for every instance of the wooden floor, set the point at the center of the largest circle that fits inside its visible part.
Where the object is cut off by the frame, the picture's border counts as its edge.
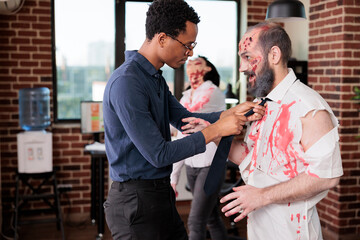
(86, 231)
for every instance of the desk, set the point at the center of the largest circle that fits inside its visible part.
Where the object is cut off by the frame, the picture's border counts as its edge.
(97, 158)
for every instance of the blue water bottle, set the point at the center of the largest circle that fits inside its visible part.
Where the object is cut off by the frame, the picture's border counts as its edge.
(34, 108)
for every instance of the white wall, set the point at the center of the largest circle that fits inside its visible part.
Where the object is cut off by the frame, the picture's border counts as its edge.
(299, 35)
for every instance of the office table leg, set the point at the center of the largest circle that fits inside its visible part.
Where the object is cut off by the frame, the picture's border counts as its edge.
(93, 190)
(101, 198)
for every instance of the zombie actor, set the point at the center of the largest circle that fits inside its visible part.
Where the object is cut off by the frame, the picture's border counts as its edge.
(291, 157)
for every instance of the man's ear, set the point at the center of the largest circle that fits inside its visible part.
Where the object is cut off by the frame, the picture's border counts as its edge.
(161, 39)
(275, 55)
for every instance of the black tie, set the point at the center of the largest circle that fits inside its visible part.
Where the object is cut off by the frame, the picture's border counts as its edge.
(217, 168)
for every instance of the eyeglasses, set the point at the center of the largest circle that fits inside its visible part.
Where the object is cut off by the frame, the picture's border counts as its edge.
(189, 48)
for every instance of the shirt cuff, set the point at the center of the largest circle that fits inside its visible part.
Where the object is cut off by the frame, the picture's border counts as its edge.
(198, 142)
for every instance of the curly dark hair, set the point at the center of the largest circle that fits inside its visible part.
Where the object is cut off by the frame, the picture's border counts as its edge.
(213, 75)
(169, 16)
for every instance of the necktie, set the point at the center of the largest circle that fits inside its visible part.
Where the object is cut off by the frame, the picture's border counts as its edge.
(217, 168)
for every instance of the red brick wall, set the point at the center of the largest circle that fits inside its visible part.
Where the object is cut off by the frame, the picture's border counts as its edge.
(334, 70)
(257, 11)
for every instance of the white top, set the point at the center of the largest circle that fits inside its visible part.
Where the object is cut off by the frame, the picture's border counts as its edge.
(206, 98)
(276, 155)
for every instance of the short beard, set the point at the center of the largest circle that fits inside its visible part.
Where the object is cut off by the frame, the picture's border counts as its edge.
(263, 83)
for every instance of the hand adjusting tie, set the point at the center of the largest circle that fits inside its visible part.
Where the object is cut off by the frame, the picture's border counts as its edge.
(251, 112)
(217, 168)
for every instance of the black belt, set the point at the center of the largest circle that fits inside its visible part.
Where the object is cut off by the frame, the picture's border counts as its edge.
(141, 183)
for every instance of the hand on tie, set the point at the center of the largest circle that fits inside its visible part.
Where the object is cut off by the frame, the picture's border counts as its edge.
(213, 179)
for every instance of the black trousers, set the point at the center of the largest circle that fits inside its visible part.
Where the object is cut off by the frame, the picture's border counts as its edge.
(143, 209)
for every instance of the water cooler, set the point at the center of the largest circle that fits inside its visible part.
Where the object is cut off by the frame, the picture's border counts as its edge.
(34, 144)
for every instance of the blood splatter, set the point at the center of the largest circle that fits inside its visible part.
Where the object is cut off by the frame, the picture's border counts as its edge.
(200, 103)
(280, 142)
(254, 136)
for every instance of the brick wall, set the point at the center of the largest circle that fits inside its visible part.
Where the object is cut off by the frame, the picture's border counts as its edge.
(256, 11)
(26, 61)
(334, 70)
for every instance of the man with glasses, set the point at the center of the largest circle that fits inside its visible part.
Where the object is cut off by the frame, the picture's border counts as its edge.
(189, 48)
(138, 108)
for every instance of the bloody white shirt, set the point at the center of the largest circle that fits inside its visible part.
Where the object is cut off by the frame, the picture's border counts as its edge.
(205, 99)
(276, 155)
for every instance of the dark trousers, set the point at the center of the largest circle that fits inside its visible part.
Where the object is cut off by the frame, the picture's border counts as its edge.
(143, 209)
(204, 209)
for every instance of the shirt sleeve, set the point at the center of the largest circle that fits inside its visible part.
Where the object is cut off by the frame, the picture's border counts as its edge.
(324, 156)
(178, 112)
(131, 103)
(175, 175)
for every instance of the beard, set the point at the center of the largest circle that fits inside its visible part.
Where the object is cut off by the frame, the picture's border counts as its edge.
(263, 83)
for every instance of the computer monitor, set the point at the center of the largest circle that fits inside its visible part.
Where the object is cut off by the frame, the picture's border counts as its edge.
(92, 120)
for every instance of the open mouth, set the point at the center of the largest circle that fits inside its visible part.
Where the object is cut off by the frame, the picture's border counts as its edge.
(252, 78)
(194, 82)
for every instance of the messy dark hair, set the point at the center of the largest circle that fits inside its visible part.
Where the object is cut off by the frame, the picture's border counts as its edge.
(273, 34)
(169, 16)
(213, 75)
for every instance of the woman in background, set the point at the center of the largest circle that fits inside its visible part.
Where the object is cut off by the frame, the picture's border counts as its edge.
(203, 96)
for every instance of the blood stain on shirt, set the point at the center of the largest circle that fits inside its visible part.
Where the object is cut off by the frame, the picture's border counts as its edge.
(196, 106)
(254, 136)
(280, 139)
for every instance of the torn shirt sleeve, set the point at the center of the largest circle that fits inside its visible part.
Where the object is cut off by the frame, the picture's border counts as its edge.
(324, 158)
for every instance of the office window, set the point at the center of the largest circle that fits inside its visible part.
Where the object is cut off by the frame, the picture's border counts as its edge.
(135, 17)
(217, 37)
(84, 42)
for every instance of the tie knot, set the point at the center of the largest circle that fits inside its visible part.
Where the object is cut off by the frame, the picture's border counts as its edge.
(263, 101)
(267, 99)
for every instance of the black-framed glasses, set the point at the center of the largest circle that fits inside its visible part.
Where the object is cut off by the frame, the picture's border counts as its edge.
(189, 48)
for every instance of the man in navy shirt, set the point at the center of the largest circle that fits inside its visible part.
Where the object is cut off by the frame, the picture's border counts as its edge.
(138, 108)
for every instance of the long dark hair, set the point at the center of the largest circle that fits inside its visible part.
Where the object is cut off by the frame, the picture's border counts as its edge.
(213, 75)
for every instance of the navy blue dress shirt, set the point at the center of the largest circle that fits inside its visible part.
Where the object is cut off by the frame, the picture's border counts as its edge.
(138, 108)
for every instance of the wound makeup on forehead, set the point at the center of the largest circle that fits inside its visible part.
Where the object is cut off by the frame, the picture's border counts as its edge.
(196, 61)
(264, 28)
(248, 41)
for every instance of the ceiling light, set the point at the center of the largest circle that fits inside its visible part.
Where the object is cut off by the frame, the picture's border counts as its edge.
(285, 10)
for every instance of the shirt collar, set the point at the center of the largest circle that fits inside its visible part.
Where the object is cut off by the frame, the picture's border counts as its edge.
(278, 93)
(143, 62)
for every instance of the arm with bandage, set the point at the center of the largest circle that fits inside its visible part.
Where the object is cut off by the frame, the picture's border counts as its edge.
(320, 143)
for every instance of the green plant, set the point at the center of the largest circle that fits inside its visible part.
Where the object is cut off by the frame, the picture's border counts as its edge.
(357, 94)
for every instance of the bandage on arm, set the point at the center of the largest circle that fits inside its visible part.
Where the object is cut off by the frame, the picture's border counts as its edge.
(320, 142)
